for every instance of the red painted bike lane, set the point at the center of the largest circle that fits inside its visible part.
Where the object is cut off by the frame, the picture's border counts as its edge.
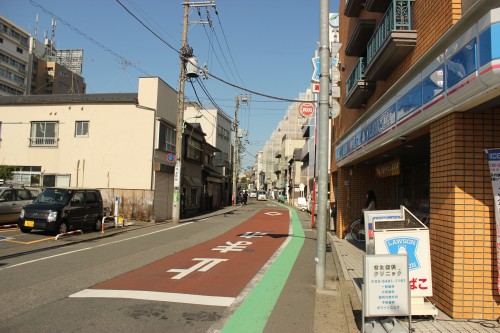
(212, 273)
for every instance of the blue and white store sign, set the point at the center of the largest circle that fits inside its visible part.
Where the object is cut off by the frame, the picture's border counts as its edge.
(414, 243)
(458, 79)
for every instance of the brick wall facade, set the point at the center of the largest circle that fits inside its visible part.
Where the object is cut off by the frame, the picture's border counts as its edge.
(462, 232)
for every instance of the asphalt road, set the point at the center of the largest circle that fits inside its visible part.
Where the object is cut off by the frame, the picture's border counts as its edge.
(40, 274)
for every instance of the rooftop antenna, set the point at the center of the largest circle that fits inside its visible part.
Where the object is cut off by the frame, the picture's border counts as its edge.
(52, 47)
(35, 33)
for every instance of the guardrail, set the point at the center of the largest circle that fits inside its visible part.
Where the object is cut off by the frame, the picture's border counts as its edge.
(69, 233)
(118, 219)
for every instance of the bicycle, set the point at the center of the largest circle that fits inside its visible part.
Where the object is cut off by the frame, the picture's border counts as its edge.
(357, 230)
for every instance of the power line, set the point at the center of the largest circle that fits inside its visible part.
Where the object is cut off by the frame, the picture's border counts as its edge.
(123, 61)
(204, 70)
(228, 48)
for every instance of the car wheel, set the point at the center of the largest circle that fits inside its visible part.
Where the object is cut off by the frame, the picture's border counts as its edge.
(25, 230)
(63, 228)
(98, 225)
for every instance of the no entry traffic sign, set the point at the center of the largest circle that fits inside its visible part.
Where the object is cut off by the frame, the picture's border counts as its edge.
(306, 109)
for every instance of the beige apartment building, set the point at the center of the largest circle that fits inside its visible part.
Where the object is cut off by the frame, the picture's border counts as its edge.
(420, 103)
(118, 143)
(14, 58)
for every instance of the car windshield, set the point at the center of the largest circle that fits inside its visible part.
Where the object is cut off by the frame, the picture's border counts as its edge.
(53, 195)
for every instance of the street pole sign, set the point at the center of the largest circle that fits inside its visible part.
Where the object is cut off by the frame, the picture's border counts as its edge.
(306, 109)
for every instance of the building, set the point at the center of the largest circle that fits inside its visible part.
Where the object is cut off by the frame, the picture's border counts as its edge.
(419, 106)
(217, 127)
(120, 143)
(14, 59)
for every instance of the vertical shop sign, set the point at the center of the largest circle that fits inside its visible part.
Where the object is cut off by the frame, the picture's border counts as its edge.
(493, 156)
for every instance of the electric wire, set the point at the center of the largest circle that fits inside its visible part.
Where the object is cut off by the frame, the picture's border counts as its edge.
(123, 61)
(213, 125)
(213, 48)
(204, 70)
(227, 45)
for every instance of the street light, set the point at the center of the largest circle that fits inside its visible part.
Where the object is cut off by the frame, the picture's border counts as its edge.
(185, 121)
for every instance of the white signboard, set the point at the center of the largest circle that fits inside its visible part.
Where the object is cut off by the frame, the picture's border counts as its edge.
(414, 243)
(386, 288)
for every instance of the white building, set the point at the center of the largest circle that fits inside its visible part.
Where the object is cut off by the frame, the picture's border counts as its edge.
(217, 128)
(120, 143)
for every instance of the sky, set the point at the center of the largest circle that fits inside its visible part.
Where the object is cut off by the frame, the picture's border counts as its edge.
(264, 46)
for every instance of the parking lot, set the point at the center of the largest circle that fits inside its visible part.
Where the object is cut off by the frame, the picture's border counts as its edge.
(13, 242)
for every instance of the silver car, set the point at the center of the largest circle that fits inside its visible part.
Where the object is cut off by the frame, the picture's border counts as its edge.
(12, 201)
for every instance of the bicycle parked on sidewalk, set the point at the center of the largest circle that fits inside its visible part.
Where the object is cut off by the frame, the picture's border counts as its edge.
(357, 230)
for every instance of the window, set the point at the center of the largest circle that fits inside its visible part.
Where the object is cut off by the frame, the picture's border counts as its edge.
(23, 195)
(461, 64)
(433, 84)
(92, 197)
(81, 129)
(1, 40)
(8, 195)
(78, 199)
(194, 149)
(19, 50)
(166, 138)
(43, 133)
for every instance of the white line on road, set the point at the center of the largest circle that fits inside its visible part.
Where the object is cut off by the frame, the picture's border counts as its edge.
(92, 247)
(156, 296)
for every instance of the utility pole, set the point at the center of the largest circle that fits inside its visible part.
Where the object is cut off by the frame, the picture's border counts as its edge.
(185, 54)
(323, 131)
(176, 206)
(235, 147)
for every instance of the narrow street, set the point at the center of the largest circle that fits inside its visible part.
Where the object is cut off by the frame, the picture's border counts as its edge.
(160, 278)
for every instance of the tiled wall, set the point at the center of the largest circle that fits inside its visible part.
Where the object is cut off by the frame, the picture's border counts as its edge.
(462, 231)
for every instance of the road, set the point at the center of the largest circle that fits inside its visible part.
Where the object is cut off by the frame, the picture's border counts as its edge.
(189, 277)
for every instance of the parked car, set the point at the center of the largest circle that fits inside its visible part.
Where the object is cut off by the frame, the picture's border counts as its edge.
(59, 210)
(261, 195)
(12, 201)
(252, 194)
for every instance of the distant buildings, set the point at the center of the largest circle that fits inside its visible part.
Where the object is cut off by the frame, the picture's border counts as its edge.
(29, 67)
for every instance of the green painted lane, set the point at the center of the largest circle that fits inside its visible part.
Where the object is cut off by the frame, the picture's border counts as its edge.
(253, 313)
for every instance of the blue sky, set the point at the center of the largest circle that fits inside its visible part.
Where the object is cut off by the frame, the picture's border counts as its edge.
(265, 46)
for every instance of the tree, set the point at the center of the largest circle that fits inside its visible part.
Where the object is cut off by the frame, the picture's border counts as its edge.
(6, 171)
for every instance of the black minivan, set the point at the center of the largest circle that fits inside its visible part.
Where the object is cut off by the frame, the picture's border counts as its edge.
(60, 210)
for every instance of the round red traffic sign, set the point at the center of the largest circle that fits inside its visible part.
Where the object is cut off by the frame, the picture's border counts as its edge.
(306, 109)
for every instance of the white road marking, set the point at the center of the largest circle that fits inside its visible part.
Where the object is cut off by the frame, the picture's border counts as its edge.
(92, 247)
(156, 296)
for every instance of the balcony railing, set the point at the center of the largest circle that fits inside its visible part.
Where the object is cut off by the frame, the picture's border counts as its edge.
(43, 142)
(357, 74)
(358, 88)
(397, 17)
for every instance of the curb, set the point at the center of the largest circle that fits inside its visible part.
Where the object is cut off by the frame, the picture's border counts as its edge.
(349, 307)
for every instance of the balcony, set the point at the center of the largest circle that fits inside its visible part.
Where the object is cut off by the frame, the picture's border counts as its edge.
(358, 89)
(392, 41)
(43, 142)
(353, 7)
(360, 37)
(379, 6)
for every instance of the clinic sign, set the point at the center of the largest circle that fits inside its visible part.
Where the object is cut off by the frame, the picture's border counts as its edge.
(493, 156)
(386, 290)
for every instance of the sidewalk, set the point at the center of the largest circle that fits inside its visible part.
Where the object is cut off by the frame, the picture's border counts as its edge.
(350, 253)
